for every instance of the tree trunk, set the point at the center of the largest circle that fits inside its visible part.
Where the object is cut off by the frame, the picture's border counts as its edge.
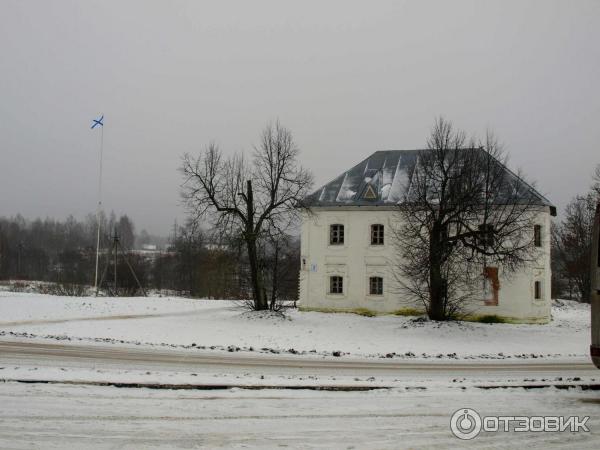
(437, 296)
(260, 299)
(274, 277)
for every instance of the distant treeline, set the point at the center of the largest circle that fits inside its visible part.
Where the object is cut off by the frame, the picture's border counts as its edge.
(189, 262)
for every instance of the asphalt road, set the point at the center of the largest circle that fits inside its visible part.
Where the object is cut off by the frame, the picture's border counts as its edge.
(113, 356)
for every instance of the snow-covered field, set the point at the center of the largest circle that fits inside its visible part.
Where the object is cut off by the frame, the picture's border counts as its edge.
(224, 326)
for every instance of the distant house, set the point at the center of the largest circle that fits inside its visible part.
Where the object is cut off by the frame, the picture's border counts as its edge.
(347, 258)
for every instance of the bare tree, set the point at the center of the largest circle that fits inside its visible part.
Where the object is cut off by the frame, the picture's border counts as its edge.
(596, 182)
(244, 198)
(464, 215)
(126, 231)
(282, 264)
(573, 243)
(188, 244)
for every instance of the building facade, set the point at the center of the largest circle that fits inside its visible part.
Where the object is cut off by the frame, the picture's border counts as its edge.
(349, 257)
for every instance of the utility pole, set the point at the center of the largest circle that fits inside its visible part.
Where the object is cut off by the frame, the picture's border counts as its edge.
(116, 245)
(99, 123)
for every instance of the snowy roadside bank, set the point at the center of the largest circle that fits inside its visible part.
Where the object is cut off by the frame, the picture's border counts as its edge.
(28, 362)
(222, 326)
(67, 416)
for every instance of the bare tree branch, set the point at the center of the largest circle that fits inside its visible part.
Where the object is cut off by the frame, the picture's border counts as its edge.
(246, 200)
(464, 210)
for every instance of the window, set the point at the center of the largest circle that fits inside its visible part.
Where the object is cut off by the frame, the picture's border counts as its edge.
(537, 235)
(336, 234)
(377, 234)
(486, 235)
(537, 290)
(491, 285)
(376, 286)
(336, 285)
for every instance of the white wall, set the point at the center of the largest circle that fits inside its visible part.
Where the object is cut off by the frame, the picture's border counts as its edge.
(356, 260)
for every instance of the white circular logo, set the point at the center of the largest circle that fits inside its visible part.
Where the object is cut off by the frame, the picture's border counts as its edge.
(465, 423)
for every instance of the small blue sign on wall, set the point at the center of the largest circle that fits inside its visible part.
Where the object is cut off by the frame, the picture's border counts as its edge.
(313, 267)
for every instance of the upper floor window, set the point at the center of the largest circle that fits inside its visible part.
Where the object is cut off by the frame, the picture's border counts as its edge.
(486, 234)
(336, 234)
(336, 285)
(537, 235)
(376, 286)
(377, 234)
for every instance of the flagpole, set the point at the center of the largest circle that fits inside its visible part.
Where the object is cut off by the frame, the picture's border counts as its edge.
(99, 206)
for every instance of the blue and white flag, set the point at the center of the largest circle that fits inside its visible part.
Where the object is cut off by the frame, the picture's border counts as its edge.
(98, 122)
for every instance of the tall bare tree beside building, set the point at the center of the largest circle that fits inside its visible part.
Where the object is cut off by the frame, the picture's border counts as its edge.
(244, 197)
(572, 243)
(596, 182)
(465, 214)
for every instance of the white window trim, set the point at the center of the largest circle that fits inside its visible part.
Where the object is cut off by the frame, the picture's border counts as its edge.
(343, 285)
(336, 221)
(369, 248)
(375, 271)
(369, 294)
(542, 298)
(377, 246)
(542, 240)
(336, 270)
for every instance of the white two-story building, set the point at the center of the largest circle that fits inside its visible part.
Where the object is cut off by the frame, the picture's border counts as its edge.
(348, 254)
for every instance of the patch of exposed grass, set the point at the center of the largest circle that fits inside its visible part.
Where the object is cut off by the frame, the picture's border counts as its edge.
(408, 312)
(364, 312)
(490, 318)
(360, 311)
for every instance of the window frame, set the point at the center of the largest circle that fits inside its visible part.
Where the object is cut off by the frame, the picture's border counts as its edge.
(537, 236)
(538, 291)
(377, 282)
(377, 234)
(339, 234)
(486, 236)
(338, 283)
(491, 286)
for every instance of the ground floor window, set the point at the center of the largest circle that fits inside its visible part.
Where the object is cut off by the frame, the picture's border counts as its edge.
(491, 285)
(336, 285)
(537, 290)
(376, 286)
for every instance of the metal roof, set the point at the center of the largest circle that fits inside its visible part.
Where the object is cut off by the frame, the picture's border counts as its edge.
(386, 173)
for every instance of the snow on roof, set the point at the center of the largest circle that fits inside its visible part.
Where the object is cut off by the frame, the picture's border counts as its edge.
(388, 172)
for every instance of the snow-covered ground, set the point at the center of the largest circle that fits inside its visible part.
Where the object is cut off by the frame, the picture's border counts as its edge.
(62, 358)
(83, 417)
(224, 326)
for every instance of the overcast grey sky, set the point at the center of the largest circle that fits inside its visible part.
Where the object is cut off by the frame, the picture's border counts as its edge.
(348, 78)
